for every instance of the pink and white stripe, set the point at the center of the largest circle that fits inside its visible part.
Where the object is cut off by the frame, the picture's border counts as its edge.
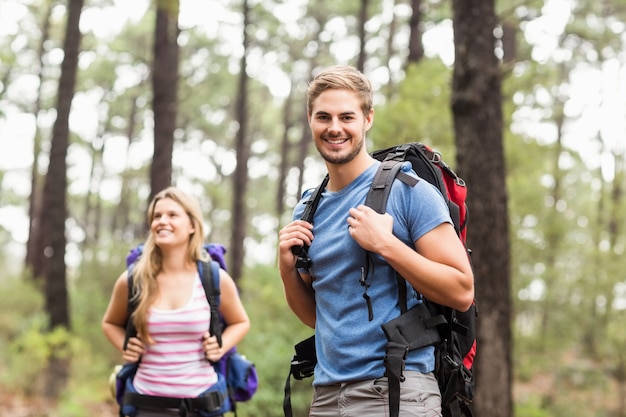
(175, 365)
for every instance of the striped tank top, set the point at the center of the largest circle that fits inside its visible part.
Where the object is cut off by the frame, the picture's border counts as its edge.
(175, 365)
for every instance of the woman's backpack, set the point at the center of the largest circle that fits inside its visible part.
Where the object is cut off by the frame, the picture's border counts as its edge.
(239, 375)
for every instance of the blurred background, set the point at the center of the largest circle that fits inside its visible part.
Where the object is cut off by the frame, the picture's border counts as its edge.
(105, 102)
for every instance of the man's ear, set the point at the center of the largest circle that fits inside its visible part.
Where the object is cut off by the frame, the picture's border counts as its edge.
(369, 120)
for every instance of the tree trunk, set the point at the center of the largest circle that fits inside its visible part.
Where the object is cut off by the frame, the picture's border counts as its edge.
(477, 110)
(362, 36)
(164, 87)
(35, 260)
(416, 48)
(242, 148)
(55, 204)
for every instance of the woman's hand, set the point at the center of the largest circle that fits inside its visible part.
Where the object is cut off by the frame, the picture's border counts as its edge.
(134, 350)
(212, 349)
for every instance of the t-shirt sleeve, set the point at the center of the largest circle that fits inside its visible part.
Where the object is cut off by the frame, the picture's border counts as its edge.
(423, 207)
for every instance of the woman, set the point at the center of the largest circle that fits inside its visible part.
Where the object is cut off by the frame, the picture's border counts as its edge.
(172, 314)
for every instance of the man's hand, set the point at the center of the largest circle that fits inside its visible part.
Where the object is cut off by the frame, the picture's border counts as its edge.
(296, 233)
(369, 228)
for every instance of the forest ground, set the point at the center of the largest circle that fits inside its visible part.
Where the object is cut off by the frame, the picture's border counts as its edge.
(19, 406)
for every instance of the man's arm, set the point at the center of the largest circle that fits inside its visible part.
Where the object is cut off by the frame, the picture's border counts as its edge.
(438, 267)
(297, 287)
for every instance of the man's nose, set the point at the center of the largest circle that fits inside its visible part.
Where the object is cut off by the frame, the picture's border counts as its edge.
(335, 126)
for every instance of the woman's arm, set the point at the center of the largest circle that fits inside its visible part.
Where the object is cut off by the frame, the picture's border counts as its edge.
(114, 321)
(234, 314)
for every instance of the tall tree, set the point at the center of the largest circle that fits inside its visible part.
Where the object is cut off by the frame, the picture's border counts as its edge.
(416, 48)
(55, 199)
(164, 87)
(242, 148)
(34, 248)
(477, 112)
(363, 16)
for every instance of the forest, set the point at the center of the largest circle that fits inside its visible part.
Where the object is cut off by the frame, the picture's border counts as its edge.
(103, 103)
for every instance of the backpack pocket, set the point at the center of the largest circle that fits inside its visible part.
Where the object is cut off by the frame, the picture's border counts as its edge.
(241, 376)
(411, 329)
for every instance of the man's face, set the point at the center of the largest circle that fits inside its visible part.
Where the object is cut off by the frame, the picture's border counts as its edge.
(338, 125)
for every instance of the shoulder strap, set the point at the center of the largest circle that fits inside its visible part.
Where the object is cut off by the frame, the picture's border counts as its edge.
(130, 307)
(389, 169)
(313, 201)
(210, 277)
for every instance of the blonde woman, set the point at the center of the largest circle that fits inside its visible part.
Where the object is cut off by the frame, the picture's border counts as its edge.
(173, 347)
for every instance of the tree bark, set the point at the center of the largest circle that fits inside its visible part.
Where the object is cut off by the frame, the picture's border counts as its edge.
(477, 111)
(55, 204)
(35, 260)
(362, 36)
(164, 86)
(242, 148)
(416, 48)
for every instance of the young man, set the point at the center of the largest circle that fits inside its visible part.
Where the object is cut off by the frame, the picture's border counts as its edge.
(350, 242)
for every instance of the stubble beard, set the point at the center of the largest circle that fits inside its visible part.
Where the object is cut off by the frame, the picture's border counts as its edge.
(338, 159)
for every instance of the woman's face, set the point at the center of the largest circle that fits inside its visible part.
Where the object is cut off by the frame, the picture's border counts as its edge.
(171, 225)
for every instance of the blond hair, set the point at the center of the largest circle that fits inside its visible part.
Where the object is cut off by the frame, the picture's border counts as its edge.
(147, 267)
(341, 77)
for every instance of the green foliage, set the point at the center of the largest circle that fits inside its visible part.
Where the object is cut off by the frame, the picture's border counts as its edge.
(274, 331)
(269, 344)
(28, 344)
(419, 112)
(567, 242)
(530, 408)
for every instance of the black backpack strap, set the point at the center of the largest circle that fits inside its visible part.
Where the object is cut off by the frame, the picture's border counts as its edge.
(389, 169)
(287, 411)
(131, 331)
(302, 366)
(212, 401)
(394, 370)
(210, 277)
(313, 201)
(302, 257)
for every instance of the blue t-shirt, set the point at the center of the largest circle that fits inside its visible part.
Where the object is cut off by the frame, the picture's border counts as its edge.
(349, 346)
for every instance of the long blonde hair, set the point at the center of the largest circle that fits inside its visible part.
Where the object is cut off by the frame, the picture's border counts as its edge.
(149, 264)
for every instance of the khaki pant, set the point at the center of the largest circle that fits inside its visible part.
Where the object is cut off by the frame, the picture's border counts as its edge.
(419, 397)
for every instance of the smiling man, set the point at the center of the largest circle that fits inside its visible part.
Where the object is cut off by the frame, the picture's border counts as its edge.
(348, 290)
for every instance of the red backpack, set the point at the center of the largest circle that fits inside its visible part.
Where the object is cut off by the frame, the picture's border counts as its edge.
(454, 354)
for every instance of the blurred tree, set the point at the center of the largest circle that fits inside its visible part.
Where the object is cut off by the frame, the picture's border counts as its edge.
(242, 150)
(416, 48)
(34, 260)
(55, 204)
(363, 16)
(477, 111)
(164, 88)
